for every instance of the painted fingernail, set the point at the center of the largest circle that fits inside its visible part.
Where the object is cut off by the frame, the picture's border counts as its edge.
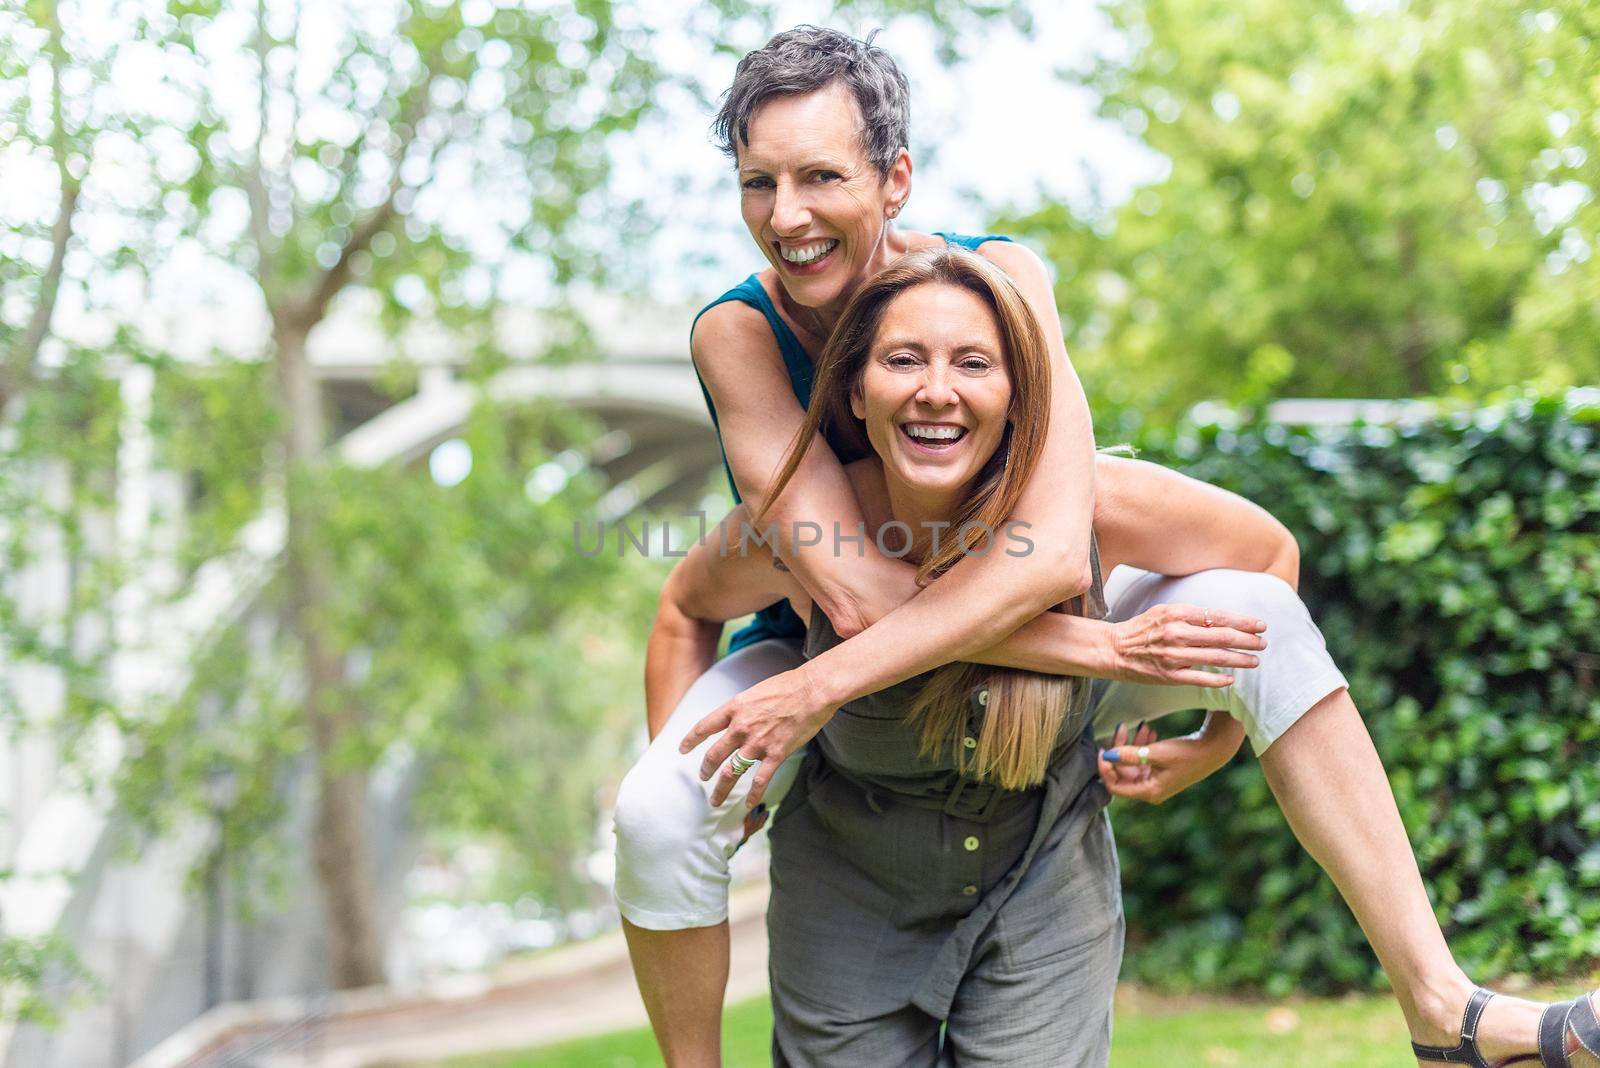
(1111, 755)
(1140, 727)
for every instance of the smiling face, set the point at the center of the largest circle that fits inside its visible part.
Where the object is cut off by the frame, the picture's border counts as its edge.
(935, 393)
(812, 200)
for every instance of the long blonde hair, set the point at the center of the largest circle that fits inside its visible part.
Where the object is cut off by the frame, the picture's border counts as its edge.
(1025, 710)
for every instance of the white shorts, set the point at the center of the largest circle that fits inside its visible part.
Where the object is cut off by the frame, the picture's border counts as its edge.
(673, 847)
(1295, 670)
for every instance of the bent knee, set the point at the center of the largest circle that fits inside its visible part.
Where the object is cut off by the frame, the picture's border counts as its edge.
(662, 810)
(1251, 593)
(672, 854)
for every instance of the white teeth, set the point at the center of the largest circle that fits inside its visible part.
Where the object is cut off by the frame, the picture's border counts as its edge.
(807, 253)
(936, 433)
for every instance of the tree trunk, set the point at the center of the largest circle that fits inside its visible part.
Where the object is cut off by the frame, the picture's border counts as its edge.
(342, 849)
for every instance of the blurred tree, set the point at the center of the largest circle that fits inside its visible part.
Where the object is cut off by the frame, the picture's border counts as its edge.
(19, 348)
(58, 425)
(392, 148)
(1361, 199)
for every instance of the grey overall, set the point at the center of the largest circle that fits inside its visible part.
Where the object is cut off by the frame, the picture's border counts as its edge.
(905, 897)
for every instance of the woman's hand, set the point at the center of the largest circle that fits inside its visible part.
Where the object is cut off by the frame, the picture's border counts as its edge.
(1170, 644)
(1140, 767)
(768, 722)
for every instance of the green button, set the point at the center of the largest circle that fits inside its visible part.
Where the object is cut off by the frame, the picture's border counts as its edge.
(970, 742)
(969, 889)
(971, 843)
(983, 698)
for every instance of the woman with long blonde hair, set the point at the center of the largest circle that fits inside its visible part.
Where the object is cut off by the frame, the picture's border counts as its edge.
(942, 865)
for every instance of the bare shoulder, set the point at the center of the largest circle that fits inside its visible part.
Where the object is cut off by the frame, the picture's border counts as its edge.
(1024, 267)
(730, 327)
(1016, 259)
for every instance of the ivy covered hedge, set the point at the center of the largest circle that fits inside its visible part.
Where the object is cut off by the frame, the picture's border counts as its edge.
(1454, 566)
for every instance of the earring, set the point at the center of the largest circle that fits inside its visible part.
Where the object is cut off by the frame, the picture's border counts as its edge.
(894, 211)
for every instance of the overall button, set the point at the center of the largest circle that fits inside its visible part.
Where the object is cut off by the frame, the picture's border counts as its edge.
(969, 889)
(970, 742)
(971, 843)
(983, 698)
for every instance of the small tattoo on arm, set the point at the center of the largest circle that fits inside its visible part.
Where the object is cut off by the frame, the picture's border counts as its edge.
(779, 564)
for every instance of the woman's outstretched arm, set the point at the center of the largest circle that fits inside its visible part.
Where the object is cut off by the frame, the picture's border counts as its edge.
(1149, 517)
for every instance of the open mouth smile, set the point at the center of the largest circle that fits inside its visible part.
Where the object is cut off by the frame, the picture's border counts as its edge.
(933, 438)
(810, 258)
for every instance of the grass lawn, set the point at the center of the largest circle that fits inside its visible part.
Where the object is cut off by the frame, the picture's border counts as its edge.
(1365, 1032)
(1351, 1032)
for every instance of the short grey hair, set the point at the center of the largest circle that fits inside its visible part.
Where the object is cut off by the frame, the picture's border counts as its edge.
(805, 59)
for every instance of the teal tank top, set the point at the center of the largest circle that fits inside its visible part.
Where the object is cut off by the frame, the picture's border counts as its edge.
(779, 620)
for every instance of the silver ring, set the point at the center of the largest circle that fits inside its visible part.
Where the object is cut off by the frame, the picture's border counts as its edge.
(740, 763)
(1207, 622)
(1144, 754)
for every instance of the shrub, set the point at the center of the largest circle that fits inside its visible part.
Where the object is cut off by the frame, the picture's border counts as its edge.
(1454, 566)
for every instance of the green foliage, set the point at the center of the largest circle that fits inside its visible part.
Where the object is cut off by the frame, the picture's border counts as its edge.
(32, 970)
(1359, 200)
(233, 719)
(57, 486)
(478, 642)
(214, 425)
(1454, 567)
(483, 642)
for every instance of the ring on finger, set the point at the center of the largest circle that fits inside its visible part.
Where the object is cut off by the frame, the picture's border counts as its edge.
(1207, 621)
(1144, 754)
(740, 763)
